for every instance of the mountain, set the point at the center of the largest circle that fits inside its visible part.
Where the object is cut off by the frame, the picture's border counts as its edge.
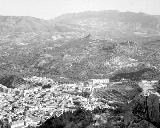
(113, 23)
(109, 24)
(13, 24)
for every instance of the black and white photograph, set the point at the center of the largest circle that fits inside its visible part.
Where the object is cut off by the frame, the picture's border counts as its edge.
(79, 63)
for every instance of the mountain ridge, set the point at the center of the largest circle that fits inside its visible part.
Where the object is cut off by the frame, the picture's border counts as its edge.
(109, 22)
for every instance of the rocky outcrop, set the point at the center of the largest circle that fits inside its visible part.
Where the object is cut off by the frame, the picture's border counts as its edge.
(142, 74)
(11, 81)
(77, 119)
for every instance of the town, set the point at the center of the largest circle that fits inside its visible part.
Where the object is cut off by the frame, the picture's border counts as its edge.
(30, 107)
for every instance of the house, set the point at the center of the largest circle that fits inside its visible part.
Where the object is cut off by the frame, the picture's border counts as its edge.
(150, 82)
(28, 121)
(18, 124)
(34, 120)
(154, 81)
(99, 81)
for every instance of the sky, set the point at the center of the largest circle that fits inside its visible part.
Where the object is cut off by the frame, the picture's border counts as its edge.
(48, 9)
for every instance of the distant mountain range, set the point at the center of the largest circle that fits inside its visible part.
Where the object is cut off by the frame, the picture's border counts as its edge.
(14, 24)
(109, 23)
(112, 22)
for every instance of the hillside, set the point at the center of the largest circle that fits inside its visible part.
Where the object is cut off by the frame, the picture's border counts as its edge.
(18, 24)
(48, 70)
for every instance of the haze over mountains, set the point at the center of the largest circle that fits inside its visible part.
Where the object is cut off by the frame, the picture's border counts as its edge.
(114, 23)
(111, 23)
(13, 24)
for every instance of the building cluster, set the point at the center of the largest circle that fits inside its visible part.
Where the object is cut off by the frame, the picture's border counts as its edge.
(23, 107)
(42, 80)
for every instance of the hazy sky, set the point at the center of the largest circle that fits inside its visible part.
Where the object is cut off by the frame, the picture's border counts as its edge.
(49, 9)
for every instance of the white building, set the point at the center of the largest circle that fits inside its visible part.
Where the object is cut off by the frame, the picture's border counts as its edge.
(99, 81)
(147, 85)
(18, 124)
(154, 81)
(28, 121)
